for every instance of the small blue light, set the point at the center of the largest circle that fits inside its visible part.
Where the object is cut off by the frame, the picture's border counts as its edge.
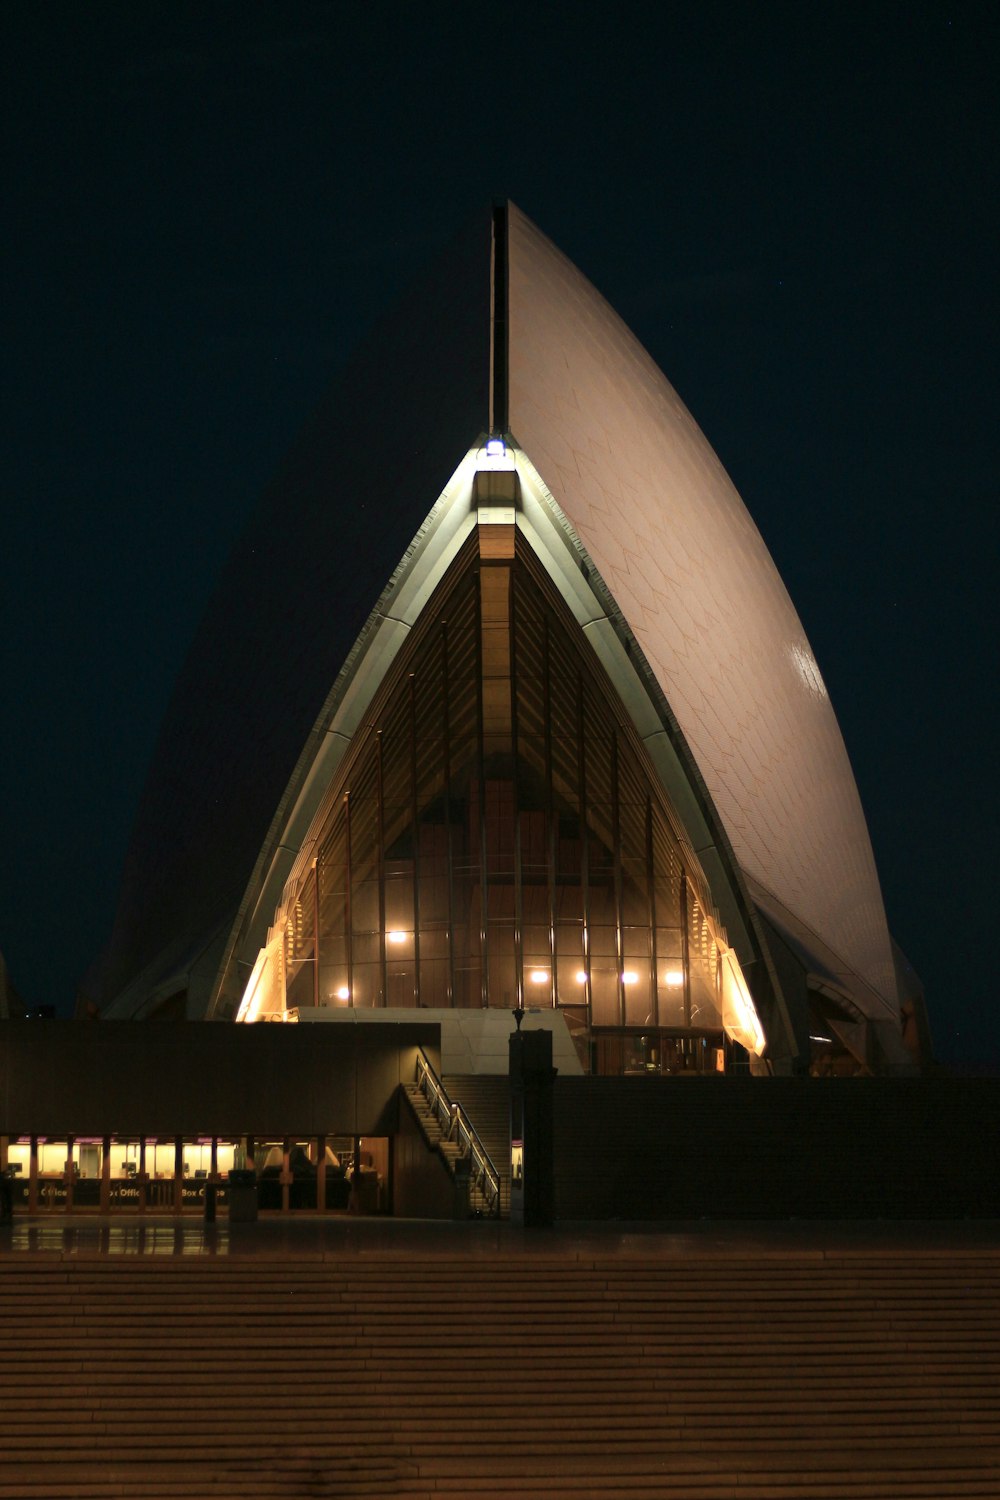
(495, 447)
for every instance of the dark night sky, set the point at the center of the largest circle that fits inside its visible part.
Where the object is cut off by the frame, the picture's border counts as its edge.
(793, 206)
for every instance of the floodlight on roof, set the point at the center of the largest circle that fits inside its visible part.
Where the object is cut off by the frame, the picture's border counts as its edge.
(495, 454)
(739, 1014)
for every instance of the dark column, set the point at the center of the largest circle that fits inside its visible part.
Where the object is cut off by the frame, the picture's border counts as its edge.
(33, 1176)
(531, 1088)
(105, 1174)
(286, 1174)
(68, 1174)
(355, 1200)
(178, 1174)
(321, 1174)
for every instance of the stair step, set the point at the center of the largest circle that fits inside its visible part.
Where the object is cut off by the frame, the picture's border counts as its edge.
(497, 1371)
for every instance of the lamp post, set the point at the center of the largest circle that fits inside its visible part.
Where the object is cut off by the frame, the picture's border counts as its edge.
(532, 1198)
(515, 1068)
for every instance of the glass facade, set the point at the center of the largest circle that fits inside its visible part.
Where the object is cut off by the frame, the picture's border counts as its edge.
(171, 1174)
(89, 1172)
(497, 837)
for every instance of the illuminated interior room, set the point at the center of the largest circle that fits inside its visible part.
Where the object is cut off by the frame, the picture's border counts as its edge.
(498, 837)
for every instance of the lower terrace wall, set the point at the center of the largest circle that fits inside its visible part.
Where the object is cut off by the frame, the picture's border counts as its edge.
(132, 1078)
(777, 1148)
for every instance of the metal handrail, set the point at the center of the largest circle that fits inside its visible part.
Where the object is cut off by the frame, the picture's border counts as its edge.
(454, 1121)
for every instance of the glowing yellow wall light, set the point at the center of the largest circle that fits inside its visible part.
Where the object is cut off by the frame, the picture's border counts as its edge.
(739, 1015)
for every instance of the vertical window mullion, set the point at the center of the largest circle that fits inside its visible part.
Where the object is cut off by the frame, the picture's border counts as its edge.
(316, 933)
(415, 814)
(446, 693)
(654, 992)
(380, 837)
(483, 889)
(551, 841)
(616, 847)
(348, 918)
(584, 848)
(685, 949)
(515, 747)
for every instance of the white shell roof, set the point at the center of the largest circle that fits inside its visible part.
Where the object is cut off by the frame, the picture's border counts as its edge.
(674, 543)
(657, 515)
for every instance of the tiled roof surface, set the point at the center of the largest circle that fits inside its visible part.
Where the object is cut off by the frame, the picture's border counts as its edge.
(686, 565)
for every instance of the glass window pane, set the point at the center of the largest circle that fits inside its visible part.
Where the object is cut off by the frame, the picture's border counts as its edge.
(433, 981)
(399, 899)
(367, 984)
(570, 966)
(604, 976)
(500, 950)
(333, 984)
(639, 1007)
(670, 977)
(468, 982)
(364, 907)
(401, 982)
(635, 892)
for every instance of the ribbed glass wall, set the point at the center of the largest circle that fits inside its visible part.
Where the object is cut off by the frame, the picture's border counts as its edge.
(496, 838)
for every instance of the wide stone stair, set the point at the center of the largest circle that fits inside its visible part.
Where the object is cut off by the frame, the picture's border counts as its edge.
(501, 1369)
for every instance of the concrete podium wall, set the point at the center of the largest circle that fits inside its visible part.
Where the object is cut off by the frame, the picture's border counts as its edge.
(133, 1078)
(765, 1148)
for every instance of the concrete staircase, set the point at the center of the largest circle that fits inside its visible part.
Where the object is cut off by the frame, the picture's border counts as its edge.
(428, 1122)
(496, 1369)
(485, 1097)
(450, 1150)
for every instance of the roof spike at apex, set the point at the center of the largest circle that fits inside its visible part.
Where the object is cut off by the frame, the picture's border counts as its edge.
(499, 325)
(501, 337)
